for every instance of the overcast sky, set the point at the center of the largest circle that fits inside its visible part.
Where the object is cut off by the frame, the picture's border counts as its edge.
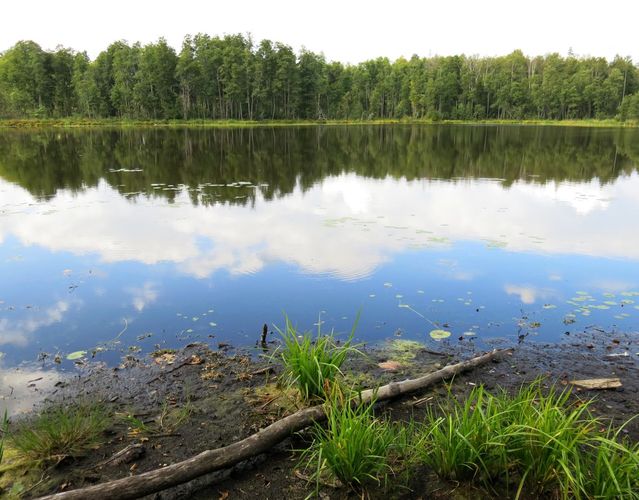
(345, 30)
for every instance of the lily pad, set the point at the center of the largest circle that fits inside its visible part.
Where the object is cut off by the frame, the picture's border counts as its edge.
(439, 334)
(550, 306)
(76, 355)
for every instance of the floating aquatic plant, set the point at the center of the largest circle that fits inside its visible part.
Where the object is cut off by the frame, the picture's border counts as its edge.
(439, 334)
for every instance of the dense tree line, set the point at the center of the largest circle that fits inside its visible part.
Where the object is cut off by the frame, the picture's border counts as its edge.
(234, 78)
(156, 162)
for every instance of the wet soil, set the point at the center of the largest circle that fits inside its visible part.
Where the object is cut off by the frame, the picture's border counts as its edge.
(197, 399)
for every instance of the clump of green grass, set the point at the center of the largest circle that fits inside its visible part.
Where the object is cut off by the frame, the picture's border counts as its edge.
(61, 432)
(312, 364)
(354, 446)
(546, 438)
(467, 442)
(611, 469)
(535, 441)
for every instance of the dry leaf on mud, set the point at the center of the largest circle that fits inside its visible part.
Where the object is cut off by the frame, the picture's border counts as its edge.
(166, 358)
(195, 360)
(390, 366)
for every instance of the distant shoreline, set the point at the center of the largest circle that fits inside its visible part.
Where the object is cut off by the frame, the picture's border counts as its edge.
(37, 123)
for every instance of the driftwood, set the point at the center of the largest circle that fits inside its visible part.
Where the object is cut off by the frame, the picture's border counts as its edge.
(598, 383)
(260, 442)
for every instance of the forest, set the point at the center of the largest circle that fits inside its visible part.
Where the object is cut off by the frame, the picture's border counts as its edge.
(235, 78)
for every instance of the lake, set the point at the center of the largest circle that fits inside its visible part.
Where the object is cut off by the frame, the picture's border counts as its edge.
(121, 241)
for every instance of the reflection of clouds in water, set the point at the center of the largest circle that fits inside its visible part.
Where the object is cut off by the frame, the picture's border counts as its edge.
(614, 286)
(18, 332)
(349, 192)
(582, 197)
(529, 294)
(144, 296)
(344, 226)
(451, 270)
(24, 386)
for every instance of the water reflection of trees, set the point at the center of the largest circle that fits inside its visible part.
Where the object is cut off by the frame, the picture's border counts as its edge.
(278, 159)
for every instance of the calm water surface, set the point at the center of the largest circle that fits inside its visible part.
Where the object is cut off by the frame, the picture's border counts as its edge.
(118, 241)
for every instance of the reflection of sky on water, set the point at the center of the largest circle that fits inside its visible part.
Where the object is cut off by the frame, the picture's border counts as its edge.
(24, 386)
(469, 253)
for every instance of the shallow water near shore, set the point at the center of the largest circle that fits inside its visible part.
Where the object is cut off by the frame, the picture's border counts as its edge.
(114, 242)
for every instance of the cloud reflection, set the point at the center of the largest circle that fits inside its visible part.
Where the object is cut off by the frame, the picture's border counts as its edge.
(18, 332)
(345, 226)
(22, 387)
(144, 296)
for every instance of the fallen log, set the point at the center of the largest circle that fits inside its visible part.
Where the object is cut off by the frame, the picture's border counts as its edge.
(260, 442)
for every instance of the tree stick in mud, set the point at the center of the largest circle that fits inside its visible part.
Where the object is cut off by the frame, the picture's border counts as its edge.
(260, 442)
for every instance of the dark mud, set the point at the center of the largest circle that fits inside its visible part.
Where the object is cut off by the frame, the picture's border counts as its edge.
(181, 404)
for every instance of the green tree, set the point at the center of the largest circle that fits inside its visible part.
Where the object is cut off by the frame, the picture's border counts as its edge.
(124, 68)
(155, 88)
(25, 80)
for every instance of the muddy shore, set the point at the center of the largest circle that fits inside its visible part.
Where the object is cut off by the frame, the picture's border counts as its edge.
(178, 404)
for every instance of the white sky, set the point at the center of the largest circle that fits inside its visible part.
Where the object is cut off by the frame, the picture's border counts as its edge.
(348, 31)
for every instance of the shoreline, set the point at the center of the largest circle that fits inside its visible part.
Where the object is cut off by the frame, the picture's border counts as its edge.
(82, 123)
(230, 395)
